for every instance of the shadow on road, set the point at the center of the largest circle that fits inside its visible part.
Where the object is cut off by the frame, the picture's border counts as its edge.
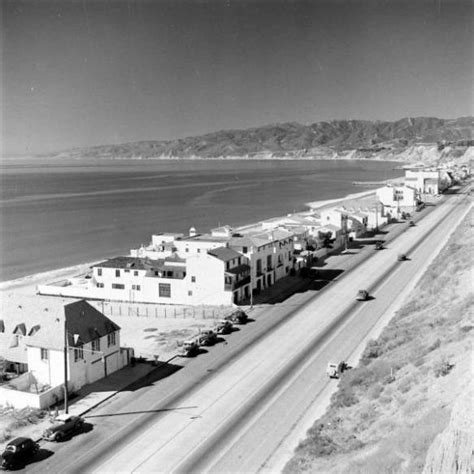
(139, 412)
(163, 370)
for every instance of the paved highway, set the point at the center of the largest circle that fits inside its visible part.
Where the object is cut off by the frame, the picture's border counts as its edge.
(235, 418)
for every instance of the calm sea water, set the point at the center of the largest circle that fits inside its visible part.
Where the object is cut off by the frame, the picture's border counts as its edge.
(57, 214)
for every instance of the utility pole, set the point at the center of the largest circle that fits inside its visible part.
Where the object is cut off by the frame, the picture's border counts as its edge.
(66, 408)
(251, 283)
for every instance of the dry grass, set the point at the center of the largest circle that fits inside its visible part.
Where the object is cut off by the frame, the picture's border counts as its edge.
(388, 410)
(11, 419)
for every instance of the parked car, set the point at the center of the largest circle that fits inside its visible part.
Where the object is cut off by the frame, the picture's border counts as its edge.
(18, 452)
(379, 245)
(335, 370)
(206, 337)
(362, 295)
(224, 326)
(411, 224)
(401, 257)
(237, 317)
(189, 348)
(63, 425)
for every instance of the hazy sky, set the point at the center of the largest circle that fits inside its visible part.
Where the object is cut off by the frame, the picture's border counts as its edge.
(77, 73)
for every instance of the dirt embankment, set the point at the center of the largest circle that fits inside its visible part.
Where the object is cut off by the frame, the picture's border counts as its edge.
(388, 411)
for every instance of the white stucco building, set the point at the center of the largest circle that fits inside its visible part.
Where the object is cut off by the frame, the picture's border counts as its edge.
(398, 198)
(34, 336)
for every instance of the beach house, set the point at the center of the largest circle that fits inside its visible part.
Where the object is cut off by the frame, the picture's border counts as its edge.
(38, 333)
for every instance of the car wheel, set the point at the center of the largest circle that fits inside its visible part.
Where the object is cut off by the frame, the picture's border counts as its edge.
(58, 437)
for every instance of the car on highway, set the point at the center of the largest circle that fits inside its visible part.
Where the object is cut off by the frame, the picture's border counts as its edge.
(362, 295)
(206, 337)
(63, 426)
(379, 245)
(411, 224)
(224, 326)
(18, 452)
(401, 257)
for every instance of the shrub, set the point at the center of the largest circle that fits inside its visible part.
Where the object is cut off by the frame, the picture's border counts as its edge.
(434, 346)
(344, 397)
(317, 443)
(442, 367)
(373, 350)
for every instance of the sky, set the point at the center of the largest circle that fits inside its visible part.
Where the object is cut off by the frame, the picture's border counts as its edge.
(92, 72)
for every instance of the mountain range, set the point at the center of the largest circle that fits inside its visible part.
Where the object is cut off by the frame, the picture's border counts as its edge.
(330, 139)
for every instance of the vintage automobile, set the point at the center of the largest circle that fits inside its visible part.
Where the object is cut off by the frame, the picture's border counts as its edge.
(63, 425)
(190, 348)
(224, 326)
(237, 317)
(206, 337)
(362, 295)
(379, 245)
(411, 224)
(18, 452)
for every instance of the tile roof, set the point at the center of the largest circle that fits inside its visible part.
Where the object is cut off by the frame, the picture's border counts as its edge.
(87, 322)
(224, 253)
(48, 313)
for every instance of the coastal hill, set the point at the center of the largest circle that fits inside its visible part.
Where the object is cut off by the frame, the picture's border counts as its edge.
(408, 139)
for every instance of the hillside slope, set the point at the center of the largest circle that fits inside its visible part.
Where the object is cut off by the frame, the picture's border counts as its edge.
(334, 139)
(388, 410)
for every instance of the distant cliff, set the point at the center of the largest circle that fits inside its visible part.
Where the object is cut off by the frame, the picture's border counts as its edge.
(407, 139)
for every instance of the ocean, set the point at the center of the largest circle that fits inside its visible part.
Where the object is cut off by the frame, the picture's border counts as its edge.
(55, 214)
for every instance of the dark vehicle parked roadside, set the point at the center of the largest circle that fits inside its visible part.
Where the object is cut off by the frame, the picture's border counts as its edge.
(237, 317)
(63, 425)
(411, 224)
(379, 245)
(18, 452)
(362, 295)
(206, 337)
(224, 327)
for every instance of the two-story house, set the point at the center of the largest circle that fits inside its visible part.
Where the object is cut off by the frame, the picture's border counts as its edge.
(45, 329)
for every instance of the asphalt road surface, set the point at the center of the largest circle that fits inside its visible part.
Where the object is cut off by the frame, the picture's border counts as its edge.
(229, 410)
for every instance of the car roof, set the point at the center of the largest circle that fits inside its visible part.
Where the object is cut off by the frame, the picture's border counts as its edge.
(17, 441)
(63, 417)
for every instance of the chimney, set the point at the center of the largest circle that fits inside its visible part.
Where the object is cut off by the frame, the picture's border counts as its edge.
(192, 232)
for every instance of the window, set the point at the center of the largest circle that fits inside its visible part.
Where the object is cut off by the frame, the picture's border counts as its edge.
(187, 250)
(127, 271)
(164, 290)
(96, 345)
(99, 272)
(44, 354)
(78, 353)
(245, 250)
(117, 273)
(100, 285)
(199, 250)
(135, 273)
(136, 287)
(111, 339)
(118, 286)
(190, 293)
(193, 279)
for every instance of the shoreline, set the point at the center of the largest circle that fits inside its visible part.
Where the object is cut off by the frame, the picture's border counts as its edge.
(29, 282)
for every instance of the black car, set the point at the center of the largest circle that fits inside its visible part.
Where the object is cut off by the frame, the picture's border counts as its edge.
(63, 425)
(18, 452)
